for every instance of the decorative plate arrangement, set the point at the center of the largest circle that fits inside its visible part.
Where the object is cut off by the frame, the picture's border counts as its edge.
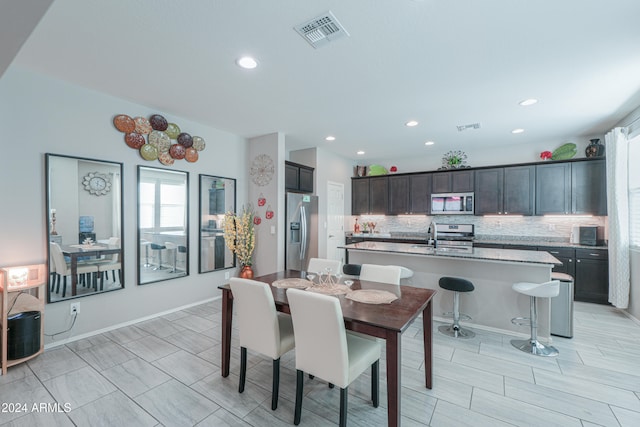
(454, 160)
(157, 139)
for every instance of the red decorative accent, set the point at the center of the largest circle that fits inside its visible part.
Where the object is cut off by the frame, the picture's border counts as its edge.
(257, 220)
(261, 200)
(269, 213)
(393, 169)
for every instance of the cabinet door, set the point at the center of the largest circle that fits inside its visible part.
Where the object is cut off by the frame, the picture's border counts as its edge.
(420, 193)
(488, 191)
(441, 182)
(305, 180)
(589, 187)
(566, 256)
(553, 188)
(461, 181)
(592, 280)
(399, 195)
(291, 178)
(378, 195)
(519, 190)
(360, 196)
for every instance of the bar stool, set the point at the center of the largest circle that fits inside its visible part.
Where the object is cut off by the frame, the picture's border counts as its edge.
(159, 248)
(456, 285)
(172, 248)
(534, 290)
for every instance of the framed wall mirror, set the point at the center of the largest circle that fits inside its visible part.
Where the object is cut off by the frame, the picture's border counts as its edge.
(217, 197)
(84, 226)
(163, 224)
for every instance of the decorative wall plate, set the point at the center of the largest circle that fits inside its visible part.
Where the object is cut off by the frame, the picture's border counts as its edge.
(262, 170)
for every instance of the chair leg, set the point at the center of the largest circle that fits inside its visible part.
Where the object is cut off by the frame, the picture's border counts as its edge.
(375, 380)
(275, 384)
(243, 368)
(299, 388)
(344, 392)
(64, 286)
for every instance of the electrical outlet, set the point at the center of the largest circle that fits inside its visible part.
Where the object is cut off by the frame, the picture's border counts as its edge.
(226, 275)
(74, 308)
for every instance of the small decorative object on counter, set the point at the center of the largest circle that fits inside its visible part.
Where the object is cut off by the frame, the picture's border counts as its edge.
(546, 155)
(594, 149)
(356, 227)
(393, 169)
(365, 227)
(454, 160)
(376, 170)
(564, 152)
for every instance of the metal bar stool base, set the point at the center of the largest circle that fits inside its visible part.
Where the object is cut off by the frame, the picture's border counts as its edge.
(535, 348)
(458, 332)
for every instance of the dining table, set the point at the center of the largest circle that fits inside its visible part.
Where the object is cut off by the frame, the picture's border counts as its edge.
(387, 321)
(75, 252)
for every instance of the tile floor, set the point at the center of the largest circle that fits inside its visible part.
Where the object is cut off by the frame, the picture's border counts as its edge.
(165, 372)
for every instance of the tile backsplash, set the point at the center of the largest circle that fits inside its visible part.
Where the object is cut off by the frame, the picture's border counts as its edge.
(552, 228)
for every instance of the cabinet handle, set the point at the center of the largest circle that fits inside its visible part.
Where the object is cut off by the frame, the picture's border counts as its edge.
(570, 260)
(554, 252)
(578, 261)
(594, 254)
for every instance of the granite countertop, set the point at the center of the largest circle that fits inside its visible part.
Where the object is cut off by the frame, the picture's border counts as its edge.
(536, 242)
(486, 254)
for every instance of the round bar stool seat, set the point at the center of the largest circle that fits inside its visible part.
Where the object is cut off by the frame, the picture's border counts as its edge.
(159, 248)
(535, 290)
(352, 269)
(456, 285)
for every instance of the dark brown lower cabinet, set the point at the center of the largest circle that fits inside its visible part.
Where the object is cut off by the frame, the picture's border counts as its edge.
(592, 276)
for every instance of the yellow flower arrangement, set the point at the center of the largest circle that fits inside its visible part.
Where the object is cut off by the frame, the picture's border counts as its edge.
(239, 235)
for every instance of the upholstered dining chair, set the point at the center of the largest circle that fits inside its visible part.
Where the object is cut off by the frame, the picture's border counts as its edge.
(262, 328)
(319, 265)
(324, 348)
(110, 263)
(381, 273)
(63, 269)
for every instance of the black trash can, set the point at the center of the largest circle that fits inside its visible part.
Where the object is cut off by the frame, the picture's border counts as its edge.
(23, 334)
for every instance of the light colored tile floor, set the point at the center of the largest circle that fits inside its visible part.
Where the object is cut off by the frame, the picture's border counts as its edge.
(165, 372)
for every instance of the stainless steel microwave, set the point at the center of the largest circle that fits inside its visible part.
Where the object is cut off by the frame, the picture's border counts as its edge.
(452, 204)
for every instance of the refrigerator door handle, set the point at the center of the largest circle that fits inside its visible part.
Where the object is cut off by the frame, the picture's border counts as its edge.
(303, 226)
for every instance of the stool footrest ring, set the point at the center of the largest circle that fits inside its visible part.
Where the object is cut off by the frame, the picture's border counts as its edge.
(521, 321)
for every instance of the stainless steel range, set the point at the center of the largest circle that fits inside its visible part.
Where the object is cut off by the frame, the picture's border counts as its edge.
(453, 237)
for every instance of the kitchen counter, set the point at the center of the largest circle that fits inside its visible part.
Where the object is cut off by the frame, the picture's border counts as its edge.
(534, 242)
(493, 303)
(484, 254)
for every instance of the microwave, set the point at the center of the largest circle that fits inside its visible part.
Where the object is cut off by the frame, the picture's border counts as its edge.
(591, 235)
(452, 204)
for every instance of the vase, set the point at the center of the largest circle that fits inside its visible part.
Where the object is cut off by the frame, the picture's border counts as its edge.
(594, 149)
(246, 272)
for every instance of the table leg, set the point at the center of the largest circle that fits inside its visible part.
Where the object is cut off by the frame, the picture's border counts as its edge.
(393, 378)
(427, 320)
(74, 275)
(227, 317)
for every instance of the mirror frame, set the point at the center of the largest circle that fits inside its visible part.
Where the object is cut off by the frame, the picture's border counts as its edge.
(120, 165)
(204, 211)
(140, 254)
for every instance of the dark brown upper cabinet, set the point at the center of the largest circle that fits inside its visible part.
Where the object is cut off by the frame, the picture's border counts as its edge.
(369, 196)
(298, 177)
(509, 190)
(457, 181)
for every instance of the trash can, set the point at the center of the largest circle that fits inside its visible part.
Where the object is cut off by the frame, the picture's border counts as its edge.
(562, 307)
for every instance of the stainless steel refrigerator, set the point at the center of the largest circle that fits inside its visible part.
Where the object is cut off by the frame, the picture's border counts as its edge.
(301, 230)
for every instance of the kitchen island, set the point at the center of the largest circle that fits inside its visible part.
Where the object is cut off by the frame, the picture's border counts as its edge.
(493, 303)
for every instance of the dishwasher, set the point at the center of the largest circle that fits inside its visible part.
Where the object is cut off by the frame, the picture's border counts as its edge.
(562, 307)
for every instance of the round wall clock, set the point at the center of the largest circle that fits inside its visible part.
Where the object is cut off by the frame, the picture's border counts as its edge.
(262, 170)
(97, 183)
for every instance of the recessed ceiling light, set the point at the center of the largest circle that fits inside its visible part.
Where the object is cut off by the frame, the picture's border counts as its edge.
(528, 102)
(330, 138)
(517, 131)
(360, 153)
(411, 123)
(247, 62)
(429, 143)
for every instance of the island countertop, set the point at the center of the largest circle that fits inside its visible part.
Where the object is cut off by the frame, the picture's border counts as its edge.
(485, 254)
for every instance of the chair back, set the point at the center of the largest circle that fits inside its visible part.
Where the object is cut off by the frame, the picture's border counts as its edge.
(257, 316)
(320, 336)
(114, 241)
(381, 273)
(319, 265)
(58, 259)
(352, 269)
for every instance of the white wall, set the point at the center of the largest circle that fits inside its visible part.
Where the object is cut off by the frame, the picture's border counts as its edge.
(41, 115)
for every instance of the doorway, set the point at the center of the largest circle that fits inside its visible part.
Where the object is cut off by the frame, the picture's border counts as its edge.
(335, 220)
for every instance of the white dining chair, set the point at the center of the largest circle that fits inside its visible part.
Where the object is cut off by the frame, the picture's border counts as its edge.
(262, 328)
(110, 263)
(63, 269)
(320, 265)
(324, 348)
(381, 273)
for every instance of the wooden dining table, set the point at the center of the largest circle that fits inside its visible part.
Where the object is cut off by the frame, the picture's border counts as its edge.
(80, 251)
(386, 321)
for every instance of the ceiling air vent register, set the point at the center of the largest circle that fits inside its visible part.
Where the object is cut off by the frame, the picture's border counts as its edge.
(462, 128)
(321, 30)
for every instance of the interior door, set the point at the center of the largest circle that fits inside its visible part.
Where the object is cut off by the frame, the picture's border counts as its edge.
(335, 220)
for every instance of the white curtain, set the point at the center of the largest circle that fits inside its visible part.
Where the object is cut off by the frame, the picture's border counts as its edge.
(617, 148)
(116, 214)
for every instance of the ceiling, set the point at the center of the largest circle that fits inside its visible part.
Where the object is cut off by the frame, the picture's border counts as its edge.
(441, 63)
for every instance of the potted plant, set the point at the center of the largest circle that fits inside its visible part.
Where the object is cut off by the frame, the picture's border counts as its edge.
(239, 236)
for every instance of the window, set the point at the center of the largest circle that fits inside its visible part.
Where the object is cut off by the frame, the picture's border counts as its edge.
(634, 192)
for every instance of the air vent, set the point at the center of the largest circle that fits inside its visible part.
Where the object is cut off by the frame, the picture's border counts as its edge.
(462, 128)
(321, 30)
